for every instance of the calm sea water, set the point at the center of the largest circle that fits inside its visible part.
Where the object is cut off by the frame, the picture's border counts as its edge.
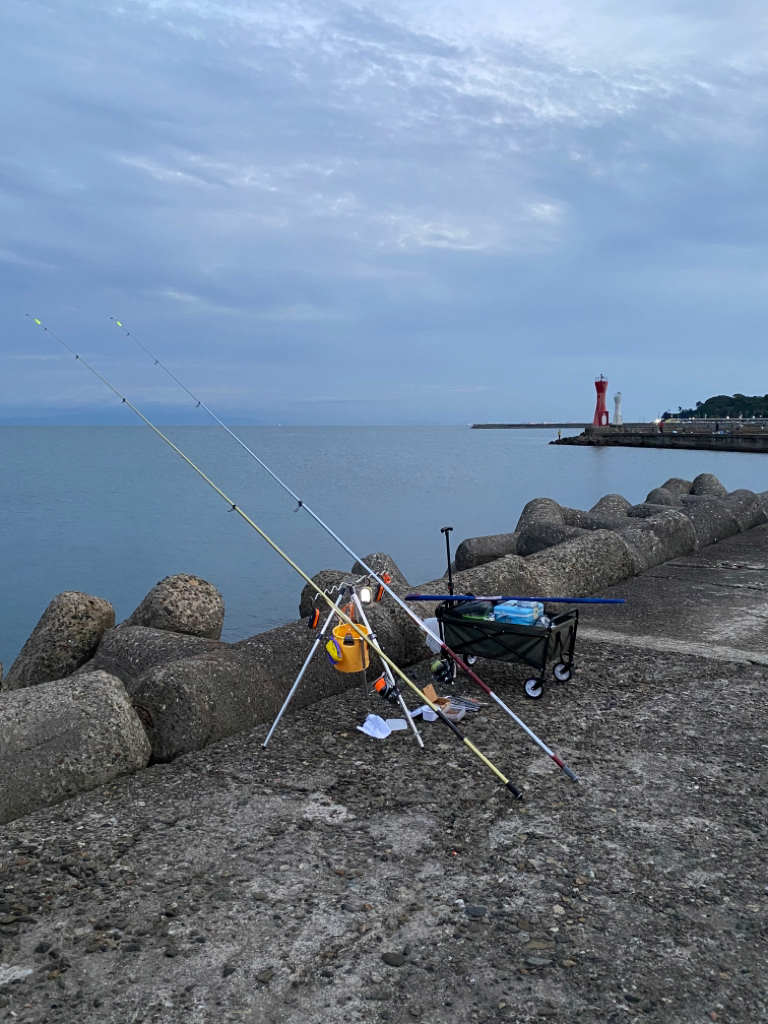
(112, 510)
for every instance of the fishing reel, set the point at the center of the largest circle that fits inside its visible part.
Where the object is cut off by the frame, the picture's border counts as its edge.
(443, 671)
(386, 689)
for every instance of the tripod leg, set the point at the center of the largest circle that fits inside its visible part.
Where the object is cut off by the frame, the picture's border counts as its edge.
(300, 676)
(411, 722)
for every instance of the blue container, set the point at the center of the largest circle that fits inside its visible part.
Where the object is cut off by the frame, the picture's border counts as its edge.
(521, 613)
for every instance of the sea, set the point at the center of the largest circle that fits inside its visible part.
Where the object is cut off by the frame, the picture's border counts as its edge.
(111, 510)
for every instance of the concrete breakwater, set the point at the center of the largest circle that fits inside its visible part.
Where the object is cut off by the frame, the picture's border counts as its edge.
(735, 437)
(524, 426)
(541, 426)
(87, 701)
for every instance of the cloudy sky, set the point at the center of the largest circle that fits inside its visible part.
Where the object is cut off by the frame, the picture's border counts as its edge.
(400, 211)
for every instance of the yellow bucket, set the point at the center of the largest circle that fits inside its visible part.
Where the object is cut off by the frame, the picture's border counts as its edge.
(354, 650)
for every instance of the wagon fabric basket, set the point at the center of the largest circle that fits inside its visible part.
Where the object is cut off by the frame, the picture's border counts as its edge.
(536, 646)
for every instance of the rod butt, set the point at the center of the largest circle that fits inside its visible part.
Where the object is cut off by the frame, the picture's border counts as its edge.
(561, 764)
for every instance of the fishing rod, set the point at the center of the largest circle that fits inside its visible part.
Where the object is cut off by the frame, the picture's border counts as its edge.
(308, 579)
(498, 597)
(444, 648)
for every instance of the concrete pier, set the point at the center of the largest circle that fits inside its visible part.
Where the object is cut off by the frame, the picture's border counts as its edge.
(736, 437)
(335, 877)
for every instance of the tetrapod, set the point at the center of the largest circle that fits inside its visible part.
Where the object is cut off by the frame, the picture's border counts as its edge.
(347, 592)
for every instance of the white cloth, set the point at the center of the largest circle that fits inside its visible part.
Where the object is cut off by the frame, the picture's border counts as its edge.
(380, 729)
(376, 727)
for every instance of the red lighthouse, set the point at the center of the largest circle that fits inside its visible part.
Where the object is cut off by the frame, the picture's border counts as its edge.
(601, 413)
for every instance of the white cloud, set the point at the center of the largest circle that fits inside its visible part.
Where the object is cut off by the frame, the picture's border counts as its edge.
(32, 357)
(428, 176)
(297, 313)
(161, 173)
(7, 256)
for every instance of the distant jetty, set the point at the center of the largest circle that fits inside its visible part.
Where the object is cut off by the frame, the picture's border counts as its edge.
(734, 436)
(549, 426)
(525, 426)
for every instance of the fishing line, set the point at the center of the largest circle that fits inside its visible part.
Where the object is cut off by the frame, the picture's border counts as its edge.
(409, 611)
(337, 611)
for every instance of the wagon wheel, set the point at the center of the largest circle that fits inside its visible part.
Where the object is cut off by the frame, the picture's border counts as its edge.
(533, 688)
(562, 672)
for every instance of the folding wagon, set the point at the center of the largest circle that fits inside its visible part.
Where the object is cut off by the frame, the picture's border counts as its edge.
(536, 646)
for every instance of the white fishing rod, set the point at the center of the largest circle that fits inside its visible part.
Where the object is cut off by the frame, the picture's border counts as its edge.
(462, 737)
(419, 622)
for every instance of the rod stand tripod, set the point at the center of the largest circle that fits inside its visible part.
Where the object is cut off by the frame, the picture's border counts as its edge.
(347, 593)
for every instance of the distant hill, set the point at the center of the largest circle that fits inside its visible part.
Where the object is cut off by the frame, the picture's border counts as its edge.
(724, 405)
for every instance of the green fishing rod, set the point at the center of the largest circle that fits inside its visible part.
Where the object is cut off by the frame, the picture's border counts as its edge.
(385, 583)
(308, 579)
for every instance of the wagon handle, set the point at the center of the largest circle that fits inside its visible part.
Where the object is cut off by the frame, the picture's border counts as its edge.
(447, 531)
(500, 597)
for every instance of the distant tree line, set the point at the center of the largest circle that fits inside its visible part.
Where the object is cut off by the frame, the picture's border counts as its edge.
(722, 406)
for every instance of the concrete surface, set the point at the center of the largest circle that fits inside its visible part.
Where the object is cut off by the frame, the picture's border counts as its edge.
(64, 737)
(336, 878)
(182, 604)
(711, 601)
(607, 437)
(66, 637)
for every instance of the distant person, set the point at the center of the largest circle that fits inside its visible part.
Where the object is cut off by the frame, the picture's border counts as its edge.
(717, 427)
(661, 426)
(559, 434)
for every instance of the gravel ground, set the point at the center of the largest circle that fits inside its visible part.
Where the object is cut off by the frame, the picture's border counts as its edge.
(339, 878)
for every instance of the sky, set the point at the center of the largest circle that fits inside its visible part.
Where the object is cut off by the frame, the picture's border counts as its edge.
(400, 211)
